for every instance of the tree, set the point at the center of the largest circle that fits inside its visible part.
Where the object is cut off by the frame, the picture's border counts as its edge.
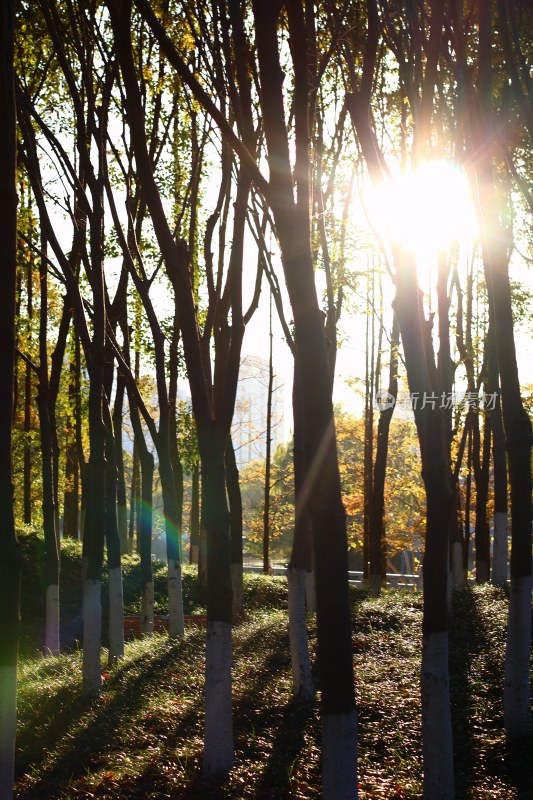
(423, 380)
(10, 561)
(516, 422)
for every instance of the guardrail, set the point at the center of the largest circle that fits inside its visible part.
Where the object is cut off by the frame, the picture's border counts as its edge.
(395, 580)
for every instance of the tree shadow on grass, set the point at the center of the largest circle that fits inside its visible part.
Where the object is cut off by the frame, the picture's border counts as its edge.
(164, 750)
(86, 732)
(466, 642)
(483, 756)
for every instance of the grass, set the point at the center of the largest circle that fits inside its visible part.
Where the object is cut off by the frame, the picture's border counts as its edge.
(142, 738)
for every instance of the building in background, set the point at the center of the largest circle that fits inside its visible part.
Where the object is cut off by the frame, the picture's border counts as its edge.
(250, 417)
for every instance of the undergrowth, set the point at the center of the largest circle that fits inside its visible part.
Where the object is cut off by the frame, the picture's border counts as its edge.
(142, 738)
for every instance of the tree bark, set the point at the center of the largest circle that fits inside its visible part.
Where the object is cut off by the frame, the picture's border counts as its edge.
(51, 535)
(235, 510)
(10, 555)
(112, 539)
(27, 477)
(377, 509)
(516, 422)
(146, 461)
(218, 732)
(300, 563)
(194, 522)
(436, 473)
(499, 463)
(122, 510)
(268, 449)
(71, 496)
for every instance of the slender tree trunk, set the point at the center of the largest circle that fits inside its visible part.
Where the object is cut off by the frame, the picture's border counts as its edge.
(268, 449)
(82, 466)
(499, 461)
(27, 478)
(445, 369)
(133, 532)
(95, 522)
(177, 466)
(51, 536)
(235, 510)
(122, 510)
(369, 429)
(176, 625)
(71, 497)
(146, 460)
(468, 499)
(147, 579)
(458, 535)
(301, 556)
(194, 520)
(112, 538)
(481, 532)
(10, 556)
(377, 509)
(218, 732)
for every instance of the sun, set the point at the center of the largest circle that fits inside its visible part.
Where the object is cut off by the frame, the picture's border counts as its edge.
(425, 210)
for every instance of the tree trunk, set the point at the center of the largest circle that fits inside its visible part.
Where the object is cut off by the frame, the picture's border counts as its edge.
(194, 522)
(135, 501)
(27, 477)
(10, 556)
(146, 461)
(499, 462)
(481, 533)
(122, 510)
(301, 557)
(177, 467)
(176, 625)
(51, 537)
(235, 510)
(268, 449)
(82, 466)
(377, 509)
(218, 732)
(496, 252)
(112, 538)
(328, 517)
(436, 473)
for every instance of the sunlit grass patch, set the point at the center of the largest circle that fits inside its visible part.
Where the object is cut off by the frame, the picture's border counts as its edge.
(142, 738)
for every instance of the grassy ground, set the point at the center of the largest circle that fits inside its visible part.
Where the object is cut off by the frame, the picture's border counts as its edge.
(143, 737)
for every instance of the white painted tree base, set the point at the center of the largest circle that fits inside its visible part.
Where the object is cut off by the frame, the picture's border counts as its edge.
(436, 719)
(237, 588)
(147, 609)
(458, 577)
(116, 615)
(516, 692)
(92, 638)
(51, 638)
(218, 729)
(339, 756)
(176, 622)
(310, 592)
(302, 680)
(500, 548)
(8, 728)
(374, 585)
